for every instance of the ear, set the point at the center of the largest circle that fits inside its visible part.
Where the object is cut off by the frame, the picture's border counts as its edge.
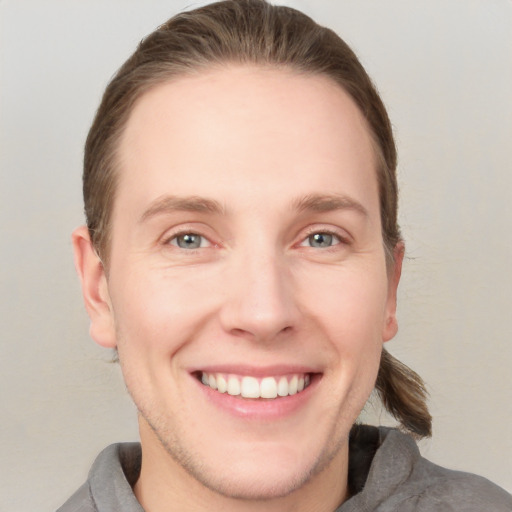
(92, 276)
(395, 271)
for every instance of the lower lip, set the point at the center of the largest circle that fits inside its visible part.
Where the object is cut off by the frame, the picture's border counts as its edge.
(259, 409)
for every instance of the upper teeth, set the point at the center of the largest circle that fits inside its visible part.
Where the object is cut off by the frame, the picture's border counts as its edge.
(252, 387)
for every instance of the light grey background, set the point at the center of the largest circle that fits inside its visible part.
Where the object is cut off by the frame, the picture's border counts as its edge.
(444, 68)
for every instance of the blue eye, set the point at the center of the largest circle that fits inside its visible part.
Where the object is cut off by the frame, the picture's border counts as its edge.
(321, 240)
(189, 241)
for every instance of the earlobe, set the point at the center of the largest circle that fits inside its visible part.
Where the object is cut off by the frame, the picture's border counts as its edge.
(391, 324)
(92, 276)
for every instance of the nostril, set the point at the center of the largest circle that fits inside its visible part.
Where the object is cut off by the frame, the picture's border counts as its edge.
(260, 334)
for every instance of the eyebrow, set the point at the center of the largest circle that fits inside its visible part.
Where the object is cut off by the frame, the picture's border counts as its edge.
(169, 204)
(310, 202)
(329, 202)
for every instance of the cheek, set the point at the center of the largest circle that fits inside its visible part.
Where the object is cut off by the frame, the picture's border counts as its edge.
(157, 311)
(350, 303)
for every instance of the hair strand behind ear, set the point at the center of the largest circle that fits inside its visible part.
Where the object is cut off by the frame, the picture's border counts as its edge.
(403, 394)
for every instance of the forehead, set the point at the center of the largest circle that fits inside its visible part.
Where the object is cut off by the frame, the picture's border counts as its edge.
(244, 128)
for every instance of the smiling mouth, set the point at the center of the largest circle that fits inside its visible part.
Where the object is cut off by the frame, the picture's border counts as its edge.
(253, 387)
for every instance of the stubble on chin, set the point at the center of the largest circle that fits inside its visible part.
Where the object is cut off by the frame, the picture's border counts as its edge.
(189, 464)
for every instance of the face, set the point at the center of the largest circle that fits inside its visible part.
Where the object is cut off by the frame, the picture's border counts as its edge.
(247, 292)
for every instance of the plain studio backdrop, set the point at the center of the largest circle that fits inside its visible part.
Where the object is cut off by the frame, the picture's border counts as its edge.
(444, 69)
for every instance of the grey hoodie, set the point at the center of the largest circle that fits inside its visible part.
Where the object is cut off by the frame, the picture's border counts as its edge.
(399, 479)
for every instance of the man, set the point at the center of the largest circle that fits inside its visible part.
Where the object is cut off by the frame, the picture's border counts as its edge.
(242, 255)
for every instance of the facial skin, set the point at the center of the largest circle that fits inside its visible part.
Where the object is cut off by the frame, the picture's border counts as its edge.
(246, 241)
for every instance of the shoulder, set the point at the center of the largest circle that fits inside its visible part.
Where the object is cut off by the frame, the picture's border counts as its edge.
(423, 486)
(449, 491)
(401, 480)
(110, 480)
(81, 501)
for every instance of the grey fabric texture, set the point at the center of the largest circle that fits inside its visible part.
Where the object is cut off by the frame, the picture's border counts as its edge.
(399, 480)
(109, 485)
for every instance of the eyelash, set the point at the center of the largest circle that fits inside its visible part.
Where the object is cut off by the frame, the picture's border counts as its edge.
(168, 240)
(342, 239)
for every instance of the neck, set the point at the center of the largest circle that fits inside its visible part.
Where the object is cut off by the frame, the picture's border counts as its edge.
(165, 485)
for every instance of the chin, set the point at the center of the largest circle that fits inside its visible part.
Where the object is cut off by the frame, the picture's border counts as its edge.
(254, 483)
(265, 473)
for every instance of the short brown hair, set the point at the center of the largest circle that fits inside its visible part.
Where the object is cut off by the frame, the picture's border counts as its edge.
(250, 32)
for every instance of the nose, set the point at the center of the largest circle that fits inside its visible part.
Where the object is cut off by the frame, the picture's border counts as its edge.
(260, 303)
